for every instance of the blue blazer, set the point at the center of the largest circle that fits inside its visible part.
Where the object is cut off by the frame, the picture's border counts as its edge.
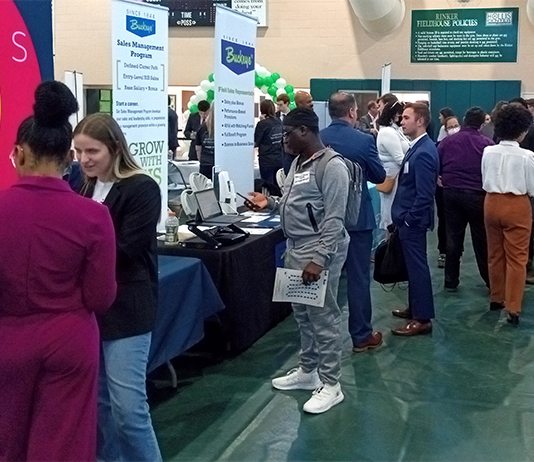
(414, 200)
(361, 148)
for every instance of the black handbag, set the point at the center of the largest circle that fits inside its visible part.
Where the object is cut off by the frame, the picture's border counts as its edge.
(390, 266)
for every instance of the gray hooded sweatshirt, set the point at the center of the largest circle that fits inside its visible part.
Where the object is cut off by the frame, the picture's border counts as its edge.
(311, 216)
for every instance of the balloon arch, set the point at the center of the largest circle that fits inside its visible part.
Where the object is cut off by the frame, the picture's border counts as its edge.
(270, 84)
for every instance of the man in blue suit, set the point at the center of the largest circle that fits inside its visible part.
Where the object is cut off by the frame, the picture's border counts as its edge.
(413, 213)
(341, 136)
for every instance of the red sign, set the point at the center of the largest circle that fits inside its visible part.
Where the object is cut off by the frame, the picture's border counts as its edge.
(19, 76)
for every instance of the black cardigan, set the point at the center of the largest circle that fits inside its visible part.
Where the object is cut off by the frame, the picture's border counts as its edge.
(134, 204)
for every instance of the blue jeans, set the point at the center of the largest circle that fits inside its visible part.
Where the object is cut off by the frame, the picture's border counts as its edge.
(125, 430)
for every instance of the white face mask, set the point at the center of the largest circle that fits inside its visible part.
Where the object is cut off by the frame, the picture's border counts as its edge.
(454, 130)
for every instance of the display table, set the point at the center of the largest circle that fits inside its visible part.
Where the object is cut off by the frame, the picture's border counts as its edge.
(187, 297)
(244, 275)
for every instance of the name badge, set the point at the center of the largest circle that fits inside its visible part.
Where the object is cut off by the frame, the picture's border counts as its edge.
(406, 167)
(301, 178)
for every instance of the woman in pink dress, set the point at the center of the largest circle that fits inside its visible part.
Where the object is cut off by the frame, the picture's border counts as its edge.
(57, 268)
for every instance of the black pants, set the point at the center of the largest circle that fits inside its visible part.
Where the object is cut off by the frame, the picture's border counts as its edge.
(464, 207)
(442, 232)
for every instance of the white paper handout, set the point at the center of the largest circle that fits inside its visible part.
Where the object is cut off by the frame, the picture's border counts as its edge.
(288, 287)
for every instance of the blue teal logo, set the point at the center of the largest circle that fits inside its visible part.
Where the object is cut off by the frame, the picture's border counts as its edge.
(238, 58)
(140, 26)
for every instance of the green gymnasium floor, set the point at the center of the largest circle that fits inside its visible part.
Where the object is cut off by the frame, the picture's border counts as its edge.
(464, 393)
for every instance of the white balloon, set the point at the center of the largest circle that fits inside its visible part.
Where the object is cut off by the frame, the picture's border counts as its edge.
(189, 104)
(205, 85)
(265, 89)
(202, 95)
(281, 83)
(212, 86)
(280, 91)
(264, 72)
(197, 89)
(257, 67)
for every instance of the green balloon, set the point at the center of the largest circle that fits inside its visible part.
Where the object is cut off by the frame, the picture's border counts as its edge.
(211, 95)
(275, 76)
(193, 109)
(289, 89)
(291, 96)
(260, 82)
(292, 105)
(272, 90)
(268, 81)
(210, 77)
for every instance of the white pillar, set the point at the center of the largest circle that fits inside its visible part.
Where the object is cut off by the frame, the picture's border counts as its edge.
(530, 11)
(381, 17)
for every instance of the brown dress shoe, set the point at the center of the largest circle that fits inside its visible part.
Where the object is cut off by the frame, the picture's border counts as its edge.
(413, 328)
(405, 314)
(374, 341)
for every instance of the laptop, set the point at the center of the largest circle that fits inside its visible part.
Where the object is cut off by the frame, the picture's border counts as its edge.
(210, 209)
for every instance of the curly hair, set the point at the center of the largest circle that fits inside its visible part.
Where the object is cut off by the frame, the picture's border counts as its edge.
(511, 121)
(390, 113)
(392, 109)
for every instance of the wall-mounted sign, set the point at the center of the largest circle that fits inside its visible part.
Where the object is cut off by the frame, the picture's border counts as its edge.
(465, 36)
(189, 13)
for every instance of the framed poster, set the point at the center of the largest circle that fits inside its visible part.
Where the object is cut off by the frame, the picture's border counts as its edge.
(465, 35)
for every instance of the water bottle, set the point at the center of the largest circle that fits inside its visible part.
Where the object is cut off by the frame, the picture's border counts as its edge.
(171, 229)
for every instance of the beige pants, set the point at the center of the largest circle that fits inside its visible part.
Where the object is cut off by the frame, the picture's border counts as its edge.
(508, 220)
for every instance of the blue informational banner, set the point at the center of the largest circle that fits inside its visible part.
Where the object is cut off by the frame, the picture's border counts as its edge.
(235, 41)
(140, 41)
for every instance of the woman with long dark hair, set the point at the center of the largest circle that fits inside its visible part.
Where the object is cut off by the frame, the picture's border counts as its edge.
(112, 177)
(392, 146)
(268, 140)
(57, 268)
(205, 143)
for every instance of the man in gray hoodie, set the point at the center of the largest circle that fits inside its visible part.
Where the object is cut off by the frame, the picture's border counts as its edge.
(312, 213)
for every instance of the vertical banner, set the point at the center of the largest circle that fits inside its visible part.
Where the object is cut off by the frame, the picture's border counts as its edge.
(140, 74)
(74, 80)
(25, 59)
(235, 41)
(386, 79)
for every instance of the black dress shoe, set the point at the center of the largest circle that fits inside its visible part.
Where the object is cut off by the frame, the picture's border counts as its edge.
(413, 328)
(405, 314)
(513, 319)
(496, 306)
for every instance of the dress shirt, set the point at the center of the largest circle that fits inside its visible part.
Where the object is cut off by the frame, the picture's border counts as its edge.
(414, 142)
(507, 168)
(102, 189)
(460, 158)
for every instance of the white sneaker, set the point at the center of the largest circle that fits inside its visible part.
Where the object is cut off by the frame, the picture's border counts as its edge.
(324, 398)
(297, 379)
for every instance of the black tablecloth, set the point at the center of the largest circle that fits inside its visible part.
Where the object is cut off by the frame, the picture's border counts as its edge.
(244, 275)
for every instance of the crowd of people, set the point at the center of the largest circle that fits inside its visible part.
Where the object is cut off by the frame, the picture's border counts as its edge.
(78, 269)
(475, 180)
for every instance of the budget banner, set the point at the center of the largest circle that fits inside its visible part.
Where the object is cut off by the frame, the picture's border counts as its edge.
(235, 41)
(140, 75)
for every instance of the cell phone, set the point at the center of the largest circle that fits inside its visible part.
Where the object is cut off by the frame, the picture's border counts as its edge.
(241, 195)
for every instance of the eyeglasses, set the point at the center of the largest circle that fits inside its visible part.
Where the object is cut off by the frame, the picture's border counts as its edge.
(286, 134)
